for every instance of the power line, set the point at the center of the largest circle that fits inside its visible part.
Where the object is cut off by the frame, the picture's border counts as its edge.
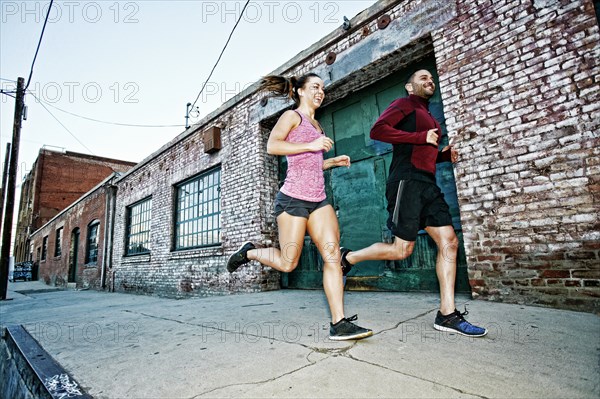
(38, 46)
(222, 51)
(8, 93)
(67, 129)
(100, 121)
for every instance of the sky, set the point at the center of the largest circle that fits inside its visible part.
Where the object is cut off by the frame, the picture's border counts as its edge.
(140, 63)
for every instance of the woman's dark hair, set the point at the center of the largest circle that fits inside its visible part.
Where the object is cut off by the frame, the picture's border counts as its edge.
(285, 87)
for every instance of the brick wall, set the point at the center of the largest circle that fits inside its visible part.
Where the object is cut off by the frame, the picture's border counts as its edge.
(54, 269)
(198, 271)
(520, 85)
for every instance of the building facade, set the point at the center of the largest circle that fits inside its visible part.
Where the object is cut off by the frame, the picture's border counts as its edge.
(71, 249)
(56, 180)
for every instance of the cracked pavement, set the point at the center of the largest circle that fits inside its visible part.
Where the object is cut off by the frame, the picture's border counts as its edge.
(274, 344)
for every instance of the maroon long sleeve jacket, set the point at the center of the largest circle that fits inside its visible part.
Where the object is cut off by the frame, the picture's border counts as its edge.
(404, 124)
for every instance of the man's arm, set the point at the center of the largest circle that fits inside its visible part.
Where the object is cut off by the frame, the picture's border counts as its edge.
(448, 154)
(383, 129)
(444, 156)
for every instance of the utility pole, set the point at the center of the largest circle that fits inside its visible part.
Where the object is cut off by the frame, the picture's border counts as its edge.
(4, 177)
(10, 192)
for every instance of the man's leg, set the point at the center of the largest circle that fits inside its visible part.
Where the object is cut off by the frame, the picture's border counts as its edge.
(398, 250)
(404, 206)
(448, 318)
(445, 266)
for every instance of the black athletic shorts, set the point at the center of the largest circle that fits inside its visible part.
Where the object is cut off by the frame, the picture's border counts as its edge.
(414, 205)
(296, 207)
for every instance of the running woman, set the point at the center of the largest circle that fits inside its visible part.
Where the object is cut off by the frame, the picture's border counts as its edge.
(301, 203)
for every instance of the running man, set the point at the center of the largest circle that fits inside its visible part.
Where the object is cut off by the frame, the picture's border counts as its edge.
(415, 202)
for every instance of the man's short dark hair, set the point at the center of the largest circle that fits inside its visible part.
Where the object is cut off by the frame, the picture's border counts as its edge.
(412, 75)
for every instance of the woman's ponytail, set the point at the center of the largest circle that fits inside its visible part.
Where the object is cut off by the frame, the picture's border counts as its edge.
(285, 87)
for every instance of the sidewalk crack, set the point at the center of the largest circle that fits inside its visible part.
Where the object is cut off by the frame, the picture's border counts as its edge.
(404, 321)
(417, 377)
(311, 363)
(326, 351)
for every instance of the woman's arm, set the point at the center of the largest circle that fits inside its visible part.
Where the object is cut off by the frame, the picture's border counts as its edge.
(341, 160)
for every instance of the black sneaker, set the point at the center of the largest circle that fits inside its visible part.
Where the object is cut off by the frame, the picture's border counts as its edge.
(346, 266)
(239, 258)
(455, 322)
(344, 330)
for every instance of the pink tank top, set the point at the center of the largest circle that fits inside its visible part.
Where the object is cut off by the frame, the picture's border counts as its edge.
(304, 179)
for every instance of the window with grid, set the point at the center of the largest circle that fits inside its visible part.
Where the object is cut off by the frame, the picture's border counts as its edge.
(198, 211)
(138, 228)
(58, 242)
(44, 247)
(91, 253)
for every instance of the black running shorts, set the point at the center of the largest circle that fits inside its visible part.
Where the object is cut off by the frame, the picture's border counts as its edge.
(296, 207)
(414, 205)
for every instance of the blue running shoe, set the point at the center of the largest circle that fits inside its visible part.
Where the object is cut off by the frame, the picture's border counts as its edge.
(455, 322)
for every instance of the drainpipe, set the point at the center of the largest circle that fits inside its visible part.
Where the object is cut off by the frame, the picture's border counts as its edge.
(108, 231)
(105, 238)
(113, 215)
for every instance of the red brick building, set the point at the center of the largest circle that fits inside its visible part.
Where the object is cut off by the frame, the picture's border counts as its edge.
(72, 246)
(56, 180)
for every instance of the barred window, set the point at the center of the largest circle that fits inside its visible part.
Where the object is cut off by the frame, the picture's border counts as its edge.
(44, 247)
(91, 253)
(58, 242)
(138, 227)
(198, 211)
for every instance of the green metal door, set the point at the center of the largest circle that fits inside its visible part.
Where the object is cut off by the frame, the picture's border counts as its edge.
(358, 196)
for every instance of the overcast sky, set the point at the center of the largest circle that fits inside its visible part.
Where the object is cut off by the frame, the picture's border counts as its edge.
(141, 62)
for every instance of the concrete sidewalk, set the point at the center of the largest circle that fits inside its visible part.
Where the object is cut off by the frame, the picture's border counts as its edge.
(274, 344)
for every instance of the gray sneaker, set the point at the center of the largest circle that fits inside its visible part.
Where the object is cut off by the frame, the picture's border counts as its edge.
(239, 258)
(346, 266)
(345, 330)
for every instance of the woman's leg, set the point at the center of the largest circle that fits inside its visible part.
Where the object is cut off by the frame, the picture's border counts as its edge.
(325, 233)
(291, 239)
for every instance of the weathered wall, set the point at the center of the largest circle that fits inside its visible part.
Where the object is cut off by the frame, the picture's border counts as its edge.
(520, 83)
(198, 271)
(64, 177)
(54, 269)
